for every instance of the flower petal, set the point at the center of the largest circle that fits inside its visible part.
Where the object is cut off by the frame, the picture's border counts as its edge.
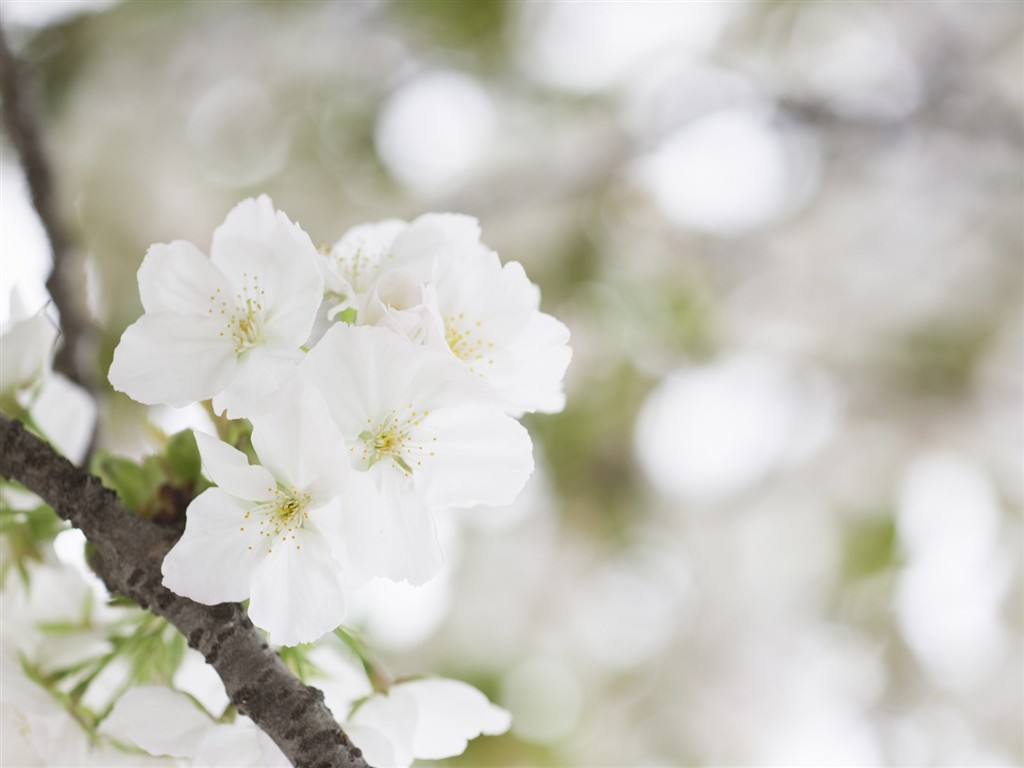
(178, 277)
(159, 720)
(386, 724)
(378, 750)
(261, 371)
(230, 469)
(255, 240)
(450, 714)
(66, 415)
(240, 744)
(27, 347)
(215, 557)
(173, 359)
(435, 232)
(299, 442)
(483, 456)
(297, 594)
(360, 256)
(396, 538)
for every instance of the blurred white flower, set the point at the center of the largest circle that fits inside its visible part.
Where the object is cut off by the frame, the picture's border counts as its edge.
(62, 411)
(426, 433)
(425, 719)
(36, 730)
(271, 533)
(163, 721)
(228, 327)
(28, 342)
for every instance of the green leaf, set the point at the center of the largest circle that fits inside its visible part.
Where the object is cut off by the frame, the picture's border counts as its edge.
(347, 315)
(133, 483)
(183, 461)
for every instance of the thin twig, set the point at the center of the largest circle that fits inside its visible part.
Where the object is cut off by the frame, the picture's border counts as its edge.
(75, 358)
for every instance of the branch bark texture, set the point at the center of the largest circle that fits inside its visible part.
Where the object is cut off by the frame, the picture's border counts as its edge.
(130, 551)
(21, 124)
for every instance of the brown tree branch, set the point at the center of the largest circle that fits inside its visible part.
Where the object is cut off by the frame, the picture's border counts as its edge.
(130, 551)
(74, 358)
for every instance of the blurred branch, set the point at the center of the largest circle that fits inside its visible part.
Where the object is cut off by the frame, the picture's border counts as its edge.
(129, 552)
(21, 124)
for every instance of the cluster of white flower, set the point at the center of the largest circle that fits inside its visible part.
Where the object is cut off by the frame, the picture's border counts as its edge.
(382, 379)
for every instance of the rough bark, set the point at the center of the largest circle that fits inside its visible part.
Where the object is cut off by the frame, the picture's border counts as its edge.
(130, 551)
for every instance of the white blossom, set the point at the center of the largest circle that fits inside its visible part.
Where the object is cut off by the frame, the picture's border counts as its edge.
(28, 343)
(427, 434)
(427, 719)
(61, 410)
(228, 327)
(163, 721)
(271, 532)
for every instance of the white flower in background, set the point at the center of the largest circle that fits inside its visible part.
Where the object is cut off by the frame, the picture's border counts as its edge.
(270, 532)
(227, 327)
(36, 729)
(427, 434)
(425, 719)
(163, 721)
(28, 342)
(62, 411)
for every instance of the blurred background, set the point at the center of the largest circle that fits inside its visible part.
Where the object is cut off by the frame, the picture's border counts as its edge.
(779, 521)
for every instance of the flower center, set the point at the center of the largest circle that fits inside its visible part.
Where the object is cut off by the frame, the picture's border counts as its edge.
(392, 439)
(244, 316)
(465, 342)
(280, 517)
(361, 265)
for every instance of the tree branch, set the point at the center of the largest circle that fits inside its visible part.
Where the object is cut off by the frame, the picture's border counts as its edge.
(130, 551)
(21, 124)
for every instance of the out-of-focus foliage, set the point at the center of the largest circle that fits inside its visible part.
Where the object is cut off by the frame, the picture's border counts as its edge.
(779, 520)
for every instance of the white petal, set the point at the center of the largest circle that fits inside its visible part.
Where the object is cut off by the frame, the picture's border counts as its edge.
(393, 716)
(159, 720)
(173, 359)
(212, 562)
(27, 347)
(376, 747)
(433, 232)
(365, 372)
(450, 714)
(297, 439)
(257, 241)
(178, 277)
(261, 371)
(361, 255)
(395, 539)
(297, 594)
(483, 456)
(66, 414)
(530, 373)
(230, 469)
(240, 744)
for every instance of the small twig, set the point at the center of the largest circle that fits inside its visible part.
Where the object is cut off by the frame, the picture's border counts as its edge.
(74, 358)
(129, 553)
